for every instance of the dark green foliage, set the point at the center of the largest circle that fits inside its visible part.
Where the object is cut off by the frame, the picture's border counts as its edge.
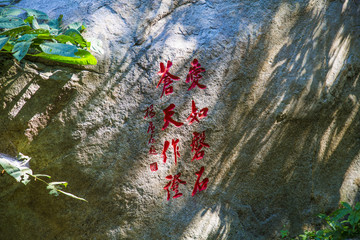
(37, 35)
(342, 224)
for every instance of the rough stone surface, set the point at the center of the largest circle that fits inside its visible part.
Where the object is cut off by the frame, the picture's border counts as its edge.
(283, 89)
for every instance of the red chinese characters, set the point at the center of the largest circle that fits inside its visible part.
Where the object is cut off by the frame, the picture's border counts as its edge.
(152, 150)
(195, 114)
(174, 185)
(166, 78)
(194, 75)
(175, 147)
(151, 129)
(167, 118)
(149, 112)
(198, 142)
(199, 186)
(154, 167)
(166, 146)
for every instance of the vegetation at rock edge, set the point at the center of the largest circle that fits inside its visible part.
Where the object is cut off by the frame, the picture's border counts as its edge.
(344, 223)
(31, 32)
(19, 169)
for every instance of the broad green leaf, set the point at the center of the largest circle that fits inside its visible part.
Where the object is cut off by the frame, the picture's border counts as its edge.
(3, 41)
(96, 45)
(37, 14)
(15, 169)
(10, 11)
(12, 22)
(59, 49)
(20, 50)
(15, 31)
(27, 37)
(72, 195)
(83, 58)
(65, 39)
(75, 34)
(37, 31)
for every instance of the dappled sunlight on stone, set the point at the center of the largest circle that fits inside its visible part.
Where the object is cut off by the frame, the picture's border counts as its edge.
(281, 124)
(209, 223)
(339, 54)
(349, 190)
(31, 90)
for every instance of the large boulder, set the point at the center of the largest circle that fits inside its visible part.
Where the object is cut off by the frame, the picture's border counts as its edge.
(282, 91)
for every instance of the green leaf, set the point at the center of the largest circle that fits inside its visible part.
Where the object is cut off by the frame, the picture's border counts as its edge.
(55, 23)
(79, 26)
(15, 31)
(346, 205)
(37, 31)
(10, 11)
(8, 47)
(18, 169)
(54, 187)
(36, 13)
(59, 49)
(53, 190)
(340, 213)
(45, 36)
(65, 39)
(20, 50)
(284, 233)
(83, 58)
(37, 25)
(15, 169)
(29, 19)
(75, 34)
(27, 37)
(12, 22)
(23, 158)
(357, 206)
(72, 195)
(3, 41)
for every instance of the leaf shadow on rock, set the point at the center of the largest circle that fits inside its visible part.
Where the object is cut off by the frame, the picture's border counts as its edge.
(291, 149)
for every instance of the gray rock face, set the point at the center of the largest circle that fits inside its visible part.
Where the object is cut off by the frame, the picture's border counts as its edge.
(282, 91)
